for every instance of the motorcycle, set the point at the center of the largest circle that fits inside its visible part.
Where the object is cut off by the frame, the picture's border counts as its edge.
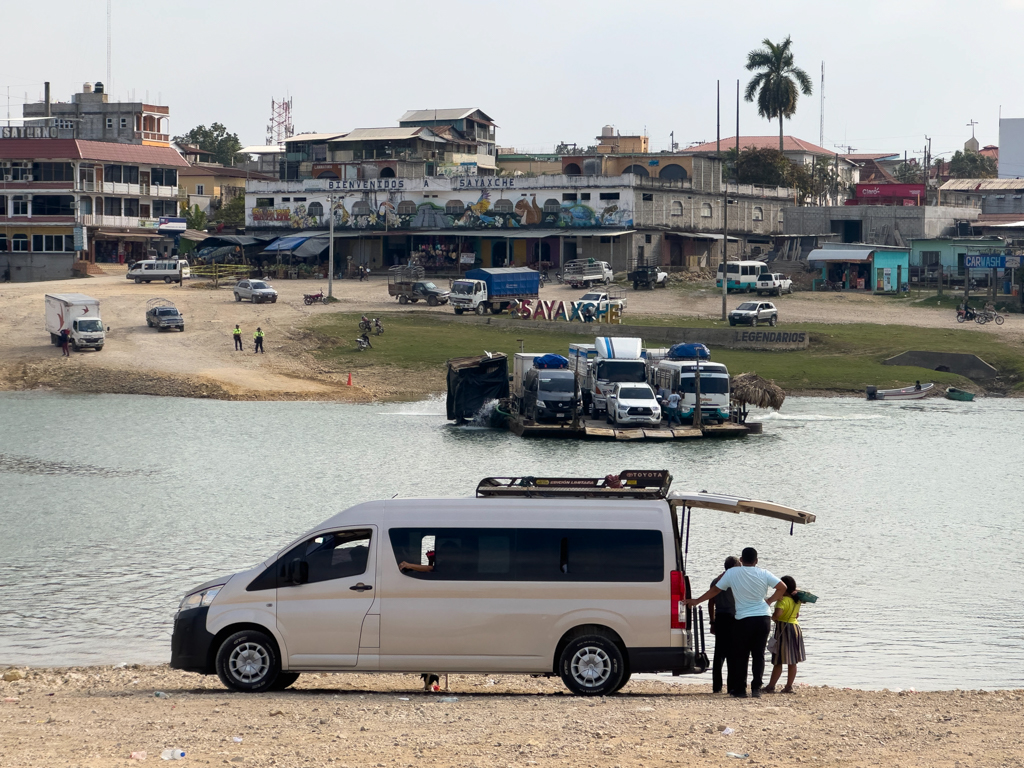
(365, 324)
(834, 286)
(966, 314)
(378, 327)
(987, 315)
(314, 298)
(559, 278)
(363, 342)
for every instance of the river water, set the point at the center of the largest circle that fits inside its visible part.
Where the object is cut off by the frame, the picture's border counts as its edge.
(111, 507)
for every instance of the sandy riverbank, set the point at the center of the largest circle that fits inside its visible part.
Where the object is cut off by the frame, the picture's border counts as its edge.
(98, 716)
(201, 362)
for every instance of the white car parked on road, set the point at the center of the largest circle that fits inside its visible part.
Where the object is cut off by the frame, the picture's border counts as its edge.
(257, 291)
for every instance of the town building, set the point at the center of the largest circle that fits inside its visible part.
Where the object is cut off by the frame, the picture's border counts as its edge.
(211, 185)
(89, 182)
(796, 150)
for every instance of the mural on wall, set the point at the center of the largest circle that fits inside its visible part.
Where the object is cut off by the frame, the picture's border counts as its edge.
(387, 211)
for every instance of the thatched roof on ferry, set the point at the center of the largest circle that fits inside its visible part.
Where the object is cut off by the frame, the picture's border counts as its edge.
(751, 389)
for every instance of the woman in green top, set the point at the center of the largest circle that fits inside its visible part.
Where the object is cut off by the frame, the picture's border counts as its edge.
(789, 649)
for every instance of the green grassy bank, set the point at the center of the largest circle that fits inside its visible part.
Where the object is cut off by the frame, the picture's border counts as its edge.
(842, 358)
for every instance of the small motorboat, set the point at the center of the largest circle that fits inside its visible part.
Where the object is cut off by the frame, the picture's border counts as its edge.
(952, 393)
(915, 392)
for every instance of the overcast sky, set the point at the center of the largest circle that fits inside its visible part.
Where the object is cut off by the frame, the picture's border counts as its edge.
(547, 72)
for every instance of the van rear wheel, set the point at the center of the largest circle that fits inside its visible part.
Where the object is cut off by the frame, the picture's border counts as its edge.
(591, 665)
(247, 661)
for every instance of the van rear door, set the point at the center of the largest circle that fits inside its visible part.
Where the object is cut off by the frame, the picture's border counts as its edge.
(326, 587)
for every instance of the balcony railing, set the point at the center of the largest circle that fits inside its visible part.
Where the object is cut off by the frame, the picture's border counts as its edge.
(150, 136)
(121, 222)
(115, 188)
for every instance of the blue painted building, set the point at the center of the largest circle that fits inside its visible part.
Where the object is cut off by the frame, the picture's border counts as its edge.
(870, 268)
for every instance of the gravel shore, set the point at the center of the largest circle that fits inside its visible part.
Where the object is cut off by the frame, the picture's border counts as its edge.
(99, 716)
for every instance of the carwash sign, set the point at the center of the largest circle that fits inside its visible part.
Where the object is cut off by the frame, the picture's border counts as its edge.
(985, 261)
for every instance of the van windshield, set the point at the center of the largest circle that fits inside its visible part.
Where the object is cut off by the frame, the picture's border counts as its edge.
(560, 384)
(632, 371)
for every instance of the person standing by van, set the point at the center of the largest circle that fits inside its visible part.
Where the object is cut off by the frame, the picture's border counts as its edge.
(789, 648)
(65, 340)
(722, 619)
(674, 404)
(258, 340)
(749, 585)
(237, 333)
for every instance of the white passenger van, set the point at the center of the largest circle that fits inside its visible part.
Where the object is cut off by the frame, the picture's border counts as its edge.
(154, 269)
(577, 577)
(742, 275)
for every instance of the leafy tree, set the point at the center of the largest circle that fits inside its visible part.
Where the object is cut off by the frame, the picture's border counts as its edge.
(232, 213)
(194, 217)
(762, 166)
(908, 173)
(972, 165)
(778, 82)
(223, 146)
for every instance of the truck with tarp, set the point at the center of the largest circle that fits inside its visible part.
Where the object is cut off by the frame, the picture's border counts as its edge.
(409, 284)
(494, 289)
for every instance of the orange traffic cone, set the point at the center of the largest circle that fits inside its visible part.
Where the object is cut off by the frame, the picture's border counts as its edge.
(350, 380)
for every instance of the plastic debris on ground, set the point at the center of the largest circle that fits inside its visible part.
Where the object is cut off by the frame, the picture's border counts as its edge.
(173, 754)
(737, 754)
(728, 731)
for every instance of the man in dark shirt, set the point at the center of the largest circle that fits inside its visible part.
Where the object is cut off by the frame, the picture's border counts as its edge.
(722, 617)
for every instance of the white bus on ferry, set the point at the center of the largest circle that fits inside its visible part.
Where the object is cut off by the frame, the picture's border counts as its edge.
(681, 375)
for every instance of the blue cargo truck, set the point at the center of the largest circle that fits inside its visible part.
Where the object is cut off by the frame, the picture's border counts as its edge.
(483, 290)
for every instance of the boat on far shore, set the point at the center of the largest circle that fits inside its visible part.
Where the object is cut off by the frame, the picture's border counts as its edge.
(952, 393)
(915, 392)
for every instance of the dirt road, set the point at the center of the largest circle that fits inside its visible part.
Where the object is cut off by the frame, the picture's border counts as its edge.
(99, 716)
(201, 362)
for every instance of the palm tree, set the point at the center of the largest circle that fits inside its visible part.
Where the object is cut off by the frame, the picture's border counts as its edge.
(776, 81)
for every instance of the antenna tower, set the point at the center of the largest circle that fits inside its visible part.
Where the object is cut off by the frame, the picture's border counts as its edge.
(821, 127)
(280, 127)
(109, 84)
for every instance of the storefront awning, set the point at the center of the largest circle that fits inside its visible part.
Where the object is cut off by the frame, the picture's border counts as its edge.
(285, 244)
(127, 235)
(846, 255)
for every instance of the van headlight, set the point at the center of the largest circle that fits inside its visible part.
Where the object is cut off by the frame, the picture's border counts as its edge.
(541, 404)
(199, 599)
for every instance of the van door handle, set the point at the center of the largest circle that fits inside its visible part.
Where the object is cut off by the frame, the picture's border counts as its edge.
(360, 587)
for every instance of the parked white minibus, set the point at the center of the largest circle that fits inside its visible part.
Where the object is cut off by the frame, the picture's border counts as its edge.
(170, 271)
(742, 275)
(579, 577)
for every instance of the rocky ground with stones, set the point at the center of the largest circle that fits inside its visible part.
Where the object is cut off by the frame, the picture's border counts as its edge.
(100, 716)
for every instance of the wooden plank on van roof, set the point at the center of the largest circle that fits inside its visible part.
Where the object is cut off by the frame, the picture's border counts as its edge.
(738, 505)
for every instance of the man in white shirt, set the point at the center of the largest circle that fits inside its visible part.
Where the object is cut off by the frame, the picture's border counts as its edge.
(750, 586)
(674, 401)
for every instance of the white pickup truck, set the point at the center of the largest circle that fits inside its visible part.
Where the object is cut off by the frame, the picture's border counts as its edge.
(773, 283)
(583, 273)
(601, 300)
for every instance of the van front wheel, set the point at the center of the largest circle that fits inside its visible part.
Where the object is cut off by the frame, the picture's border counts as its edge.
(247, 662)
(591, 665)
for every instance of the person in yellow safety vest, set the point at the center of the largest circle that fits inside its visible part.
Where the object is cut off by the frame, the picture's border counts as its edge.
(258, 338)
(237, 333)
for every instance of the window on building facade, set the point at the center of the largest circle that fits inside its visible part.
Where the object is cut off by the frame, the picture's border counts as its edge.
(19, 206)
(569, 196)
(705, 210)
(164, 208)
(124, 122)
(362, 208)
(165, 177)
(647, 238)
(609, 196)
(53, 205)
(584, 195)
(112, 174)
(552, 206)
(64, 125)
(3, 205)
(118, 174)
(53, 172)
(315, 209)
(131, 206)
(758, 214)
(647, 197)
(144, 211)
(407, 208)
(286, 199)
(504, 205)
(454, 207)
(20, 171)
(51, 243)
(298, 199)
(112, 206)
(780, 217)
(930, 260)
(264, 202)
(110, 122)
(85, 206)
(677, 208)
(20, 243)
(200, 189)
(3, 243)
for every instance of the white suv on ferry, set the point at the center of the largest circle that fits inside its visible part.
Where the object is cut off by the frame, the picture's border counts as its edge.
(633, 404)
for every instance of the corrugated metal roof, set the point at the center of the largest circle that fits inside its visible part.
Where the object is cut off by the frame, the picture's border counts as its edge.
(982, 185)
(388, 134)
(262, 149)
(224, 172)
(313, 137)
(77, 149)
(419, 115)
(789, 144)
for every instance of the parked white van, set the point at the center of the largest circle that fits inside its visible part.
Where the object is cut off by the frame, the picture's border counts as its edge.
(578, 577)
(170, 271)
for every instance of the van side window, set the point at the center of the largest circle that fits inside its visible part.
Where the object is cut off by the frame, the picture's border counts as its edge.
(326, 557)
(531, 554)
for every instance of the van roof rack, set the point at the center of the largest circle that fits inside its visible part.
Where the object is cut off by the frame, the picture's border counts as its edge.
(629, 484)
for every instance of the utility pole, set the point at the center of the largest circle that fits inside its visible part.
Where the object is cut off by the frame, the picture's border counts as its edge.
(330, 249)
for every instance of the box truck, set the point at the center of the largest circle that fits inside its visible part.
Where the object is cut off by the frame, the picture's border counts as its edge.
(483, 290)
(80, 315)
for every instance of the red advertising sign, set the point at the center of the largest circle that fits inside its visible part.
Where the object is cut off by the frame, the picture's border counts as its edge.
(890, 190)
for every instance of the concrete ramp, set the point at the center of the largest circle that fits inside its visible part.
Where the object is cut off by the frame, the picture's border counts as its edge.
(971, 366)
